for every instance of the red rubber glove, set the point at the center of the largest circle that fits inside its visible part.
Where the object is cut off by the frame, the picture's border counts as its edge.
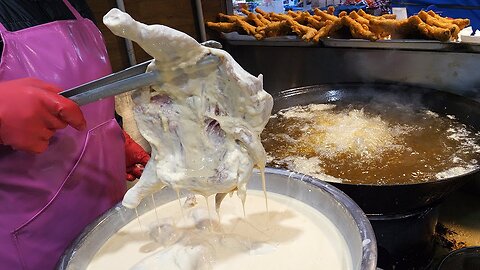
(135, 158)
(31, 111)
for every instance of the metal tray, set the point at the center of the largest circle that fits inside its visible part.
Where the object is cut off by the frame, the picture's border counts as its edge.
(236, 39)
(388, 44)
(400, 44)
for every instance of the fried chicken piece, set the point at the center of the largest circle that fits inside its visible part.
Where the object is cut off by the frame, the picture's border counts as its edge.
(357, 30)
(330, 10)
(429, 31)
(325, 15)
(462, 23)
(382, 17)
(244, 11)
(318, 18)
(329, 28)
(324, 23)
(413, 26)
(354, 15)
(264, 20)
(303, 18)
(300, 17)
(389, 16)
(236, 23)
(333, 23)
(264, 14)
(389, 25)
(368, 16)
(365, 22)
(315, 23)
(253, 17)
(342, 14)
(258, 21)
(433, 21)
(274, 29)
(250, 29)
(230, 18)
(305, 32)
(395, 28)
(225, 27)
(292, 14)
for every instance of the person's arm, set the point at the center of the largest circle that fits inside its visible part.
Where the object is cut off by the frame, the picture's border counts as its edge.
(31, 111)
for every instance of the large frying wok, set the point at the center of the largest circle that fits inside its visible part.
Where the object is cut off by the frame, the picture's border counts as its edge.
(401, 198)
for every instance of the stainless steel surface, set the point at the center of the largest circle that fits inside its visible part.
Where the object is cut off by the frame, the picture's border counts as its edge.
(200, 21)
(128, 43)
(101, 89)
(399, 44)
(129, 79)
(335, 205)
(212, 44)
(287, 67)
(237, 39)
(112, 84)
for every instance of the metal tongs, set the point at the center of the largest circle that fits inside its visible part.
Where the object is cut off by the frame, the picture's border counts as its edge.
(123, 81)
(128, 79)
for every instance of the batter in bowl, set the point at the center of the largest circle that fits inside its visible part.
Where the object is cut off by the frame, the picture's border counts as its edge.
(292, 235)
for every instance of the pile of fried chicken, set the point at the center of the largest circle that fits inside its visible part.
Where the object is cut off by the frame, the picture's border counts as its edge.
(356, 24)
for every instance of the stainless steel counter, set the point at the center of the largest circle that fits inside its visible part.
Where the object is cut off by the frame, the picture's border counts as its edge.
(290, 63)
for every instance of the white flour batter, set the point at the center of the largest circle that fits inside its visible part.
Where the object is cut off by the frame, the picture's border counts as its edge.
(292, 236)
(204, 125)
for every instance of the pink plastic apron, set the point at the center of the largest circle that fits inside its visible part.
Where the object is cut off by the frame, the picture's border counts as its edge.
(46, 200)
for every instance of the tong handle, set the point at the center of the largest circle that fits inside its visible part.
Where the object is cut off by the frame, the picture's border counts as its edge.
(129, 79)
(115, 88)
(90, 91)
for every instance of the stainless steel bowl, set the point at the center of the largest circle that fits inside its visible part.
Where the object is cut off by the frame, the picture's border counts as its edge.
(334, 204)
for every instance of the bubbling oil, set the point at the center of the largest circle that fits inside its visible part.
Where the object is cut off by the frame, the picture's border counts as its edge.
(370, 143)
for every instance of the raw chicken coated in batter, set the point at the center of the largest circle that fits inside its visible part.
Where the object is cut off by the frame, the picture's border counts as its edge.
(204, 126)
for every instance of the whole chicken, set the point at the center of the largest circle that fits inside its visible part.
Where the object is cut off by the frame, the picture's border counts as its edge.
(203, 125)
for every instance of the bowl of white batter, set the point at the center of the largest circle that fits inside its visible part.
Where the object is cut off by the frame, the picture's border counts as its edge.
(303, 224)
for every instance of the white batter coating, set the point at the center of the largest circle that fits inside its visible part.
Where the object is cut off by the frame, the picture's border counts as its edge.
(292, 235)
(204, 126)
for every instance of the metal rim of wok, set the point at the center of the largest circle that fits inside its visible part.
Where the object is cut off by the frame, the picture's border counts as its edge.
(392, 199)
(367, 236)
(464, 257)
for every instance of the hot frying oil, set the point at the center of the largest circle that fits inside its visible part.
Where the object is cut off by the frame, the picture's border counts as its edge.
(370, 144)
